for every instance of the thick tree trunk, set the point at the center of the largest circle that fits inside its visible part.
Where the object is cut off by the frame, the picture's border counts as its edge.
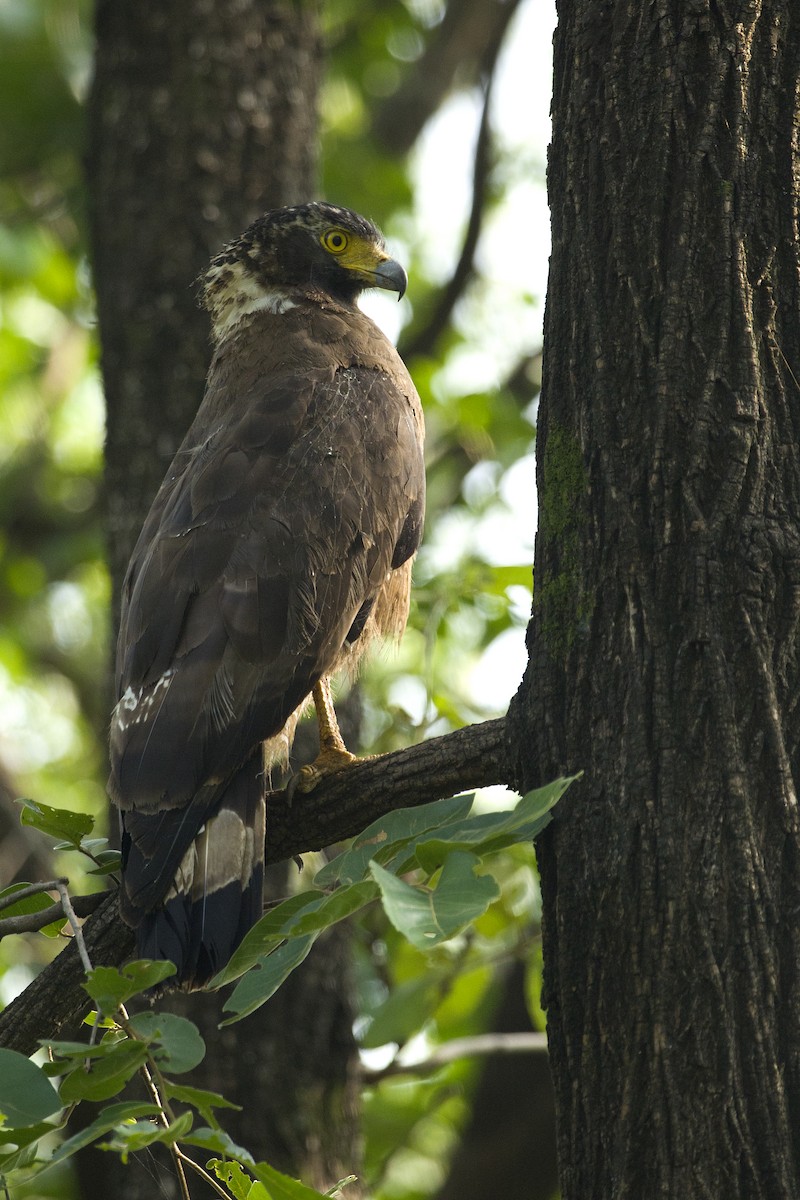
(203, 115)
(664, 638)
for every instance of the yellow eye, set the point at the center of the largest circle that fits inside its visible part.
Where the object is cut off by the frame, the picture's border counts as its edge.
(335, 240)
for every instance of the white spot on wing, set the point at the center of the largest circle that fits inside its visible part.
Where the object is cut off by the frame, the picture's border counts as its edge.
(134, 707)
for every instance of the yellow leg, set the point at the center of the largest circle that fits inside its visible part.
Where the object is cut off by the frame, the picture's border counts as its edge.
(333, 754)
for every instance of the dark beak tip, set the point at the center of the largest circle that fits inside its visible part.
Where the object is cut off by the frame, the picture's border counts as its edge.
(391, 276)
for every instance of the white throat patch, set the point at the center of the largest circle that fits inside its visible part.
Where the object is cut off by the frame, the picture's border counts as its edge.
(233, 294)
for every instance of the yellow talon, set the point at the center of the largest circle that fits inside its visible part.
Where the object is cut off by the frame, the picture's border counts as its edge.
(333, 754)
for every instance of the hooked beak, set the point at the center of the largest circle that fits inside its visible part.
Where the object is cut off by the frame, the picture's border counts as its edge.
(391, 276)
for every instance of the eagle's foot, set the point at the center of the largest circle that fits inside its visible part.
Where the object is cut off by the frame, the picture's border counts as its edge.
(333, 754)
(329, 761)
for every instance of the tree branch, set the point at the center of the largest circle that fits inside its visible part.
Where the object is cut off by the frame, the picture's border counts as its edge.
(424, 340)
(340, 807)
(479, 1044)
(468, 38)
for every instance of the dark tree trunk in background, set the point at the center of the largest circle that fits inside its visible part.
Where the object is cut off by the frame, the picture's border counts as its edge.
(507, 1148)
(664, 638)
(202, 115)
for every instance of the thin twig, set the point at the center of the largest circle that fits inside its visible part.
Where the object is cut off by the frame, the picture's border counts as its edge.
(424, 341)
(84, 906)
(75, 925)
(165, 1112)
(209, 1179)
(31, 889)
(155, 1082)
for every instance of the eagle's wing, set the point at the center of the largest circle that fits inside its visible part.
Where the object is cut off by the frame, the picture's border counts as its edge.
(278, 526)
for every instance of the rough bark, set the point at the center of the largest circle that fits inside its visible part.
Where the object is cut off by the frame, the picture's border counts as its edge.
(664, 636)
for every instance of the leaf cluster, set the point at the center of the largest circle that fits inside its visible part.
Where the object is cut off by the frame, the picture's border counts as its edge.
(426, 866)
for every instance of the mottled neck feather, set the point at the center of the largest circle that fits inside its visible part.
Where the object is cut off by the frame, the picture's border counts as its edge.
(231, 293)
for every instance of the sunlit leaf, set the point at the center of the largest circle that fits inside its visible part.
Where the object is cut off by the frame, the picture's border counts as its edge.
(429, 916)
(282, 1187)
(241, 1185)
(56, 822)
(489, 832)
(381, 838)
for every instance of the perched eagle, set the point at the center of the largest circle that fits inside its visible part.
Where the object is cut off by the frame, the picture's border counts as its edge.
(278, 546)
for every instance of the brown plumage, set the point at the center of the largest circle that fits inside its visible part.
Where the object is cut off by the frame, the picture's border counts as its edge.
(278, 546)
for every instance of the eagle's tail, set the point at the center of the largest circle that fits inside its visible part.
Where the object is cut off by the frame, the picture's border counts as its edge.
(216, 893)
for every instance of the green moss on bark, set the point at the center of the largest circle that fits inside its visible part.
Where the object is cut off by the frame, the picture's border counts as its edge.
(558, 591)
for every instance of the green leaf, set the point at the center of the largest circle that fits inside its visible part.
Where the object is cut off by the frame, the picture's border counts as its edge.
(56, 822)
(382, 838)
(107, 861)
(110, 987)
(336, 907)
(282, 1187)
(95, 1020)
(405, 1010)
(309, 912)
(79, 1051)
(129, 1139)
(427, 917)
(107, 1075)
(218, 1140)
(238, 1182)
(488, 832)
(29, 904)
(18, 1147)
(264, 979)
(26, 1094)
(174, 1041)
(341, 1183)
(205, 1102)
(271, 928)
(112, 1115)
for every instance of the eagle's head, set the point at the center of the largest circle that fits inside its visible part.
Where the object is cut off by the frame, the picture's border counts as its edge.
(309, 249)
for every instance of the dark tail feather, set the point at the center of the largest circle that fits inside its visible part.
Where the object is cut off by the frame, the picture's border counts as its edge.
(217, 895)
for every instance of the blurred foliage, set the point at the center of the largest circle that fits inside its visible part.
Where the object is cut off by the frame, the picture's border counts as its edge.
(473, 575)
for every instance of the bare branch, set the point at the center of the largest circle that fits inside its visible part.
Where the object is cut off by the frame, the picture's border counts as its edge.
(75, 926)
(457, 54)
(425, 340)
(465, 1047)
(31, 889)
(340, 807)
(84, 906)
